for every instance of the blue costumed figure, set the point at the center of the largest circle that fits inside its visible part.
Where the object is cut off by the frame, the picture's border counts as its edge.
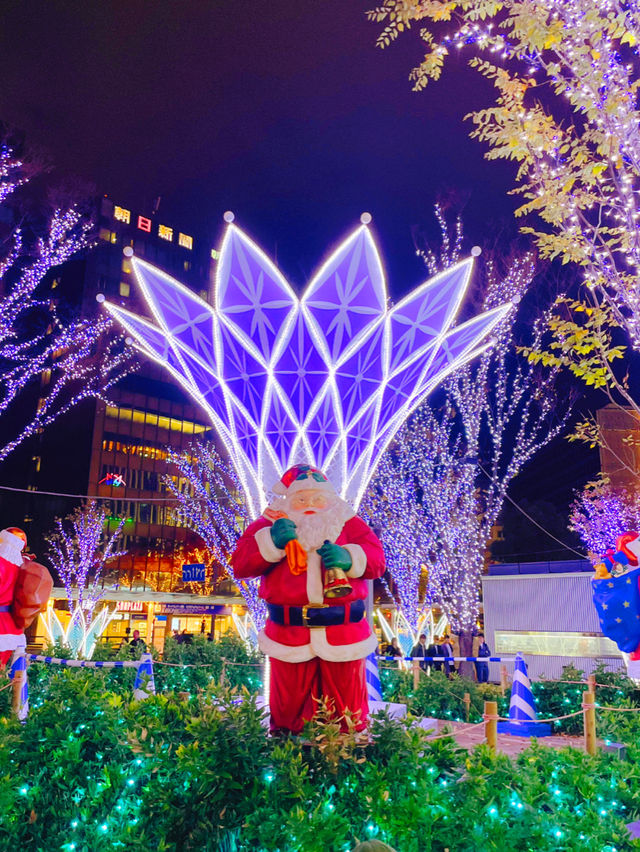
(616, 594)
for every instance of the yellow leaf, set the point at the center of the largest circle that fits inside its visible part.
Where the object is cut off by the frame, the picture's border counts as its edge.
(628, 38)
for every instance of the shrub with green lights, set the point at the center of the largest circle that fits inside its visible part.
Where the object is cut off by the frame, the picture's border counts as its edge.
(93, 770)
(443, 698)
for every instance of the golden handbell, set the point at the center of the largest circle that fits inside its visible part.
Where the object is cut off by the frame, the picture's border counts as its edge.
(336, 584)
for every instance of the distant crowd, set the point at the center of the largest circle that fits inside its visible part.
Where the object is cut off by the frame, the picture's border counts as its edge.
(441, 646)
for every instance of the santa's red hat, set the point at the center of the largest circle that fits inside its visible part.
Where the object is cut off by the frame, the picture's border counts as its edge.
(302, 477)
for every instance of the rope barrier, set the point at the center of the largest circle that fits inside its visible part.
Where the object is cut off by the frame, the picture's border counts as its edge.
(542, 721)
(84, 664)
(454, 733)
(617, 709)
(450, 659)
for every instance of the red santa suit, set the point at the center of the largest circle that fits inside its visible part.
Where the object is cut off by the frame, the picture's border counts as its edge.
(11, 637)
(310, 662)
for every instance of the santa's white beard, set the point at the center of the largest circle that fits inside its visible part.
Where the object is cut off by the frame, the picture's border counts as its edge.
(314, 530)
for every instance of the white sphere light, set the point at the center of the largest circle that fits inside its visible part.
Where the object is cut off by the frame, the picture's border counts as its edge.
(127, 251)
(365, 218)
(129, 341)
(100, 297)
(229, 216)
(476, 251)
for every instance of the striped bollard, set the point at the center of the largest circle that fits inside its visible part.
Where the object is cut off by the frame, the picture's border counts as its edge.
(18, 674)
(145, 684)
(522, 709)
(372, 677)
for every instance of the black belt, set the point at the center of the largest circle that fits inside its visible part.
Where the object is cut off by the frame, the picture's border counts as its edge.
(316, 615)
(5, 608)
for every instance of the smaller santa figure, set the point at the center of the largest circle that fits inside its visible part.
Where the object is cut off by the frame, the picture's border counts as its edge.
(314, 555)
(12, 543)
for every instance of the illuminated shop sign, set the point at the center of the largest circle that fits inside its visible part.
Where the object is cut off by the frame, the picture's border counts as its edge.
(143, 223)
(130, 606)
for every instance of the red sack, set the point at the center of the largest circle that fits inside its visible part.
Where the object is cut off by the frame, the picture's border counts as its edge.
(32, 591)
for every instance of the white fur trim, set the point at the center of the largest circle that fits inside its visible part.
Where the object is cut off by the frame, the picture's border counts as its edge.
(268, 550)
(315, 588)
(286, 653)
(358, 561)
(341, 653)
(11, 641)
(11, 547)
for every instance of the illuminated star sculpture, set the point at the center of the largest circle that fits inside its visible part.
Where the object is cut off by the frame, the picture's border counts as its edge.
(327, 378)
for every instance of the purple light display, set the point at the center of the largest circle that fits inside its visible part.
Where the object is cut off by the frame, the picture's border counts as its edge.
(327, 378)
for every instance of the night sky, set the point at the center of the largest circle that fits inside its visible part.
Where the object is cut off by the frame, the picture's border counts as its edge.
(284, 112)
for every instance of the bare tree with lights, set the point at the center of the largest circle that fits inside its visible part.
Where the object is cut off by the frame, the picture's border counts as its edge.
(394, 507)
(601, 513)
(79, 548)
(459, 459)
(210, 503)
(71, 361)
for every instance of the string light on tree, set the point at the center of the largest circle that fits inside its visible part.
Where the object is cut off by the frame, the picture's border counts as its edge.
(459, 459)
(35, 344)
(211, 503)
(601, 513)
(79, 548)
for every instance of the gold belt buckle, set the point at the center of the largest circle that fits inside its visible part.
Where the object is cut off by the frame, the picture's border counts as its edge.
(305, 610)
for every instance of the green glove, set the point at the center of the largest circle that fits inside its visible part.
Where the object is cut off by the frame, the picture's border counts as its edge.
(282, 531)
(334, 556)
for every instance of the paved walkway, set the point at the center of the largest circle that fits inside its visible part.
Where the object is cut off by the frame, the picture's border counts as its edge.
(468, 737)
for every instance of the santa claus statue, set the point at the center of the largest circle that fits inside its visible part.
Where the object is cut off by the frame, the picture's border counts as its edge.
(12, 542)
(25, 587)
(314, 555)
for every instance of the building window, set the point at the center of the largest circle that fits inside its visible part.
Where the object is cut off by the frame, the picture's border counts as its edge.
(105, 234)
(125, 288)
(186, 265)
(126, 266)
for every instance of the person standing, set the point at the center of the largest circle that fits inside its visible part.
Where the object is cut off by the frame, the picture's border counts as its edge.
(435, 650)
(393, 649)
(482, 668)
(137, 645)
(420, 650)
(447, 651)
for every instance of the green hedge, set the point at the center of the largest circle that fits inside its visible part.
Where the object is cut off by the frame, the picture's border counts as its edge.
(92, 771)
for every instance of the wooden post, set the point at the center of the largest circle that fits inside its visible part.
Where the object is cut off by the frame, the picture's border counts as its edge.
(503, 678)
(589, 698)
(491, 724)
(467, 705)
(591, 683)
(18, 680)
(416, 673)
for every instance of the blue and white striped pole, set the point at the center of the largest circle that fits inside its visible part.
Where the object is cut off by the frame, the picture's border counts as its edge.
(522, 707)
(372, 677)
(18, 674)
(145, 684)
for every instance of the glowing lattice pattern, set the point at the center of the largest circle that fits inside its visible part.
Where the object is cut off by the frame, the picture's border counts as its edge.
(327, 378)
